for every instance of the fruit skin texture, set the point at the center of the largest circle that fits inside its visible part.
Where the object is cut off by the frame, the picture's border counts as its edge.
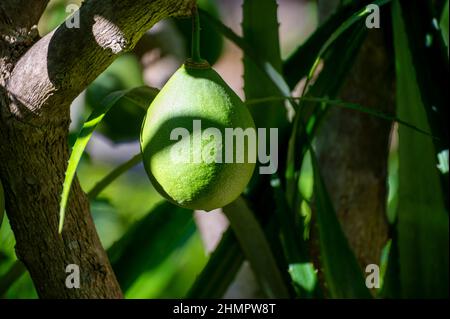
(194, 94)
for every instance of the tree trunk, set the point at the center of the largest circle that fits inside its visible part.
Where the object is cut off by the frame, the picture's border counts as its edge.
(39, 78)
(353, 151)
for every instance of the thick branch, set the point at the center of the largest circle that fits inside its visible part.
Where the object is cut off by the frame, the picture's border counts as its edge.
(35, 94)
(59, 66)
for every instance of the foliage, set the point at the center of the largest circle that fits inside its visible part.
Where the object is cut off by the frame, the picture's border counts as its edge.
(155, 247)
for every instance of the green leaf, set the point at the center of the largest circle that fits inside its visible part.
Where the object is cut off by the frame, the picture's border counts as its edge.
(260, 32)
(302, 59)
(2, 203)
(430, 65)
(221, 269)
(150, 241)
(123, 122)
(422, 220)
(346, 105)
(301, 270)
(342, 272)
(269, 70)
(310, 114)
(342, 44)
(14, 273)
(444, 25)
(354, 18)
(137, 95)
(253, 242)
(391, 281)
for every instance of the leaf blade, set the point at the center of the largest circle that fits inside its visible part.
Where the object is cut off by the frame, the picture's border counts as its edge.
(84, 136)
(343, 274)
(256, 248)
(422, 220)
(161, 231)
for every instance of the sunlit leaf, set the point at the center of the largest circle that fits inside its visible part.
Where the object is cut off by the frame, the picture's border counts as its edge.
(137, 95)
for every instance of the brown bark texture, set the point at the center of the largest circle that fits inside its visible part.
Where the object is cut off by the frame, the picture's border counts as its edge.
(353, 150)
(39, 78)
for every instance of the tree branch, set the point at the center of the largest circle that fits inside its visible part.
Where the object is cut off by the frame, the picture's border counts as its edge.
(36, 89)
(60, 65)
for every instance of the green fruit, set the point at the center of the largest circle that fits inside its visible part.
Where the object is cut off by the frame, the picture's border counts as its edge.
(195, 92)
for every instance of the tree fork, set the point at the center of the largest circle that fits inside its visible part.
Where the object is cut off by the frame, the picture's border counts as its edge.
(39, 78)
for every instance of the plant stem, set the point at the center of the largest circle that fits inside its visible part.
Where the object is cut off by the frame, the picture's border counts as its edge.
(112, 176)
(195, 54)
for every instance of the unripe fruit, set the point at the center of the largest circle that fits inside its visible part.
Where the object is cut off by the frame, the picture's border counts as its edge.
(195, 92)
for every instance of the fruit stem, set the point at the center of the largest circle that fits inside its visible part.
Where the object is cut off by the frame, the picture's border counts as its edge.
(196, 36)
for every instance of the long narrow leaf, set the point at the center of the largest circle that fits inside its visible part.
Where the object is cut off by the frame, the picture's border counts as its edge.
(221, 269)
(86, 133)
(310, 114)
(301, 270)
(256, 248)
(269, 70)
(422, 220)
(260, 31)
(342, 272)
(299, 63)
(347, 105)
(14, 273)
(444, 25)
(336, 34)
(430, 64)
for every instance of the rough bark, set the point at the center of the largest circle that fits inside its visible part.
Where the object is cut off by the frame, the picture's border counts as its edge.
(353, 150)
(39, 78)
